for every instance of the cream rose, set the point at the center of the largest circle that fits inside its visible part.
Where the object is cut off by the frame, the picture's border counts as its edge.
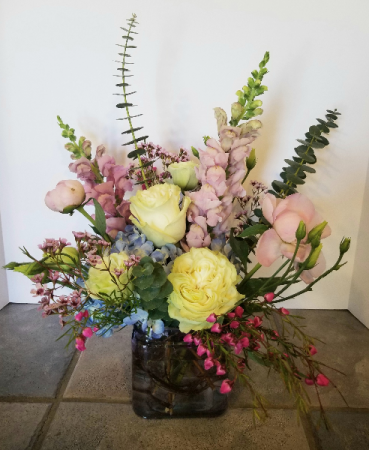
(204, 282)
(156, 213)
(183, 174)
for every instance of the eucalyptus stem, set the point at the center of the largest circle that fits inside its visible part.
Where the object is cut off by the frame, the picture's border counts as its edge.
(126, 102)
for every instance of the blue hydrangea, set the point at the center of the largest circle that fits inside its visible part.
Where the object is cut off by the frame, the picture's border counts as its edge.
(133, 242)
(219, 244)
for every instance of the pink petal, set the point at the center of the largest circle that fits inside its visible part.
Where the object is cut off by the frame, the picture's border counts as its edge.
(268, 248)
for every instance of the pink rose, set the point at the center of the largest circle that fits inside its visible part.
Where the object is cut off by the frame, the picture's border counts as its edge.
(67, 195)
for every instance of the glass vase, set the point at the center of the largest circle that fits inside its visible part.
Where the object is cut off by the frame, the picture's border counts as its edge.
(169, 379)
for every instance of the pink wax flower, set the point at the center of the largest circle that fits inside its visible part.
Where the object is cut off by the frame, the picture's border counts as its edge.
(234, 324)
(312, 350)
(239, 311)
(201, 350)
(79, 316)
(257, 322)
(309, 381)
(87, 332)
(95, 329)
(216, 328)
(322, 380)
(197, 340)
(245, 342)
(231, 315)
(285, 216)
(85, 313)
(220, 370)
(212, 318)
(226, 386)
(284, 311)
(269, 297)
(67, 195)
(82, 167)
(80, 344)
(208, 363)
(188, 339)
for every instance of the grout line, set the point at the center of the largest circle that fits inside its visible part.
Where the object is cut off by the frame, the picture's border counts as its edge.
(96, 400)
(22, 399)
(311, 437)
(40, 434)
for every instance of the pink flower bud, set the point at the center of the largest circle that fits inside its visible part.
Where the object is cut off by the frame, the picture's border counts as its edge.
(269, 297)
(212, 318)
(239, 311)
(216, 328)
(234, 324)
(226, 386)
(284, 311)
(231, 315)
(245, 342)
(188, 338)
(67, 195)
(322, 380)
(257, 322)
(95, 329)
(312, 350)
(197, 340)
(221, 370)
(80, 344)
(208, 363)
(78, 317)
(309, 381)
(276, 334)
(87, 332)
(238, 348)
(201, 350)
(85, 313)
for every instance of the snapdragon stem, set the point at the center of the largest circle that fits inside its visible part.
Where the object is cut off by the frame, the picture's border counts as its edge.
(252, 271)
(88, 217)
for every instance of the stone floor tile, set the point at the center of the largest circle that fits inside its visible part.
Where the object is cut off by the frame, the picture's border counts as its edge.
(18, 423)
(350, 431)
(115, 427)
(104, 370)
(346, 348)
(268, 384)
(32, 361)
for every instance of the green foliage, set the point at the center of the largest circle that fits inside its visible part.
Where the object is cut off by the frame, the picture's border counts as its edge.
(253, 230)
(73, 146)
(100, 220)
(153, 287)
(247, 107)
(294, 174)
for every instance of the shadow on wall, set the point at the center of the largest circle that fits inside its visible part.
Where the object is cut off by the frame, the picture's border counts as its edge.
(359, 293)
(4, 295)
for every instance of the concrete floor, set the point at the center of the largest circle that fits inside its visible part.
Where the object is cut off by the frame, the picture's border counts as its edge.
(55, 398)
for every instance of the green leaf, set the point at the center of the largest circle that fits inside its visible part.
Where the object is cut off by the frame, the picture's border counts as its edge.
(135, 153)
(148, 294)
(279, 186)
(314, 131)
(316, 144)
(306, 156)
(331, 125)
(137, 271)
(253, 230)
(13, 265)
(165, 290)
(159, 275)
(123, 105)
(155, 304)
(100, 221)
(30, 269)
(294, 179)
(240, 247)
(195, 152)
(143, 282)
(255, 357)
(143, 138)
(297, 165)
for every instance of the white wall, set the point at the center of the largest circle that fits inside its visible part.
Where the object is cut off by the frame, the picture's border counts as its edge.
(57, 58)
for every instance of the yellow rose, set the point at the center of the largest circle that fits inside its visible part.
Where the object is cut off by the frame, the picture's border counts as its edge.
(183, 175)
(204, 282)
(156, 213)
(100, 280)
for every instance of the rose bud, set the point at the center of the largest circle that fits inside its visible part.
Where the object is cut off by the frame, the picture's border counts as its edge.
(67, 196)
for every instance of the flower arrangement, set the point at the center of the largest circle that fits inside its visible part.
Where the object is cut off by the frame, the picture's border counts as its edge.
(183, 251)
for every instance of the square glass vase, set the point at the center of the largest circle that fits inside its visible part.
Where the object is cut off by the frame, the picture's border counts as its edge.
(169, 379)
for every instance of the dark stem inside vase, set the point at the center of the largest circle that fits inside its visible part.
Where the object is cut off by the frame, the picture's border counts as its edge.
(169, 379)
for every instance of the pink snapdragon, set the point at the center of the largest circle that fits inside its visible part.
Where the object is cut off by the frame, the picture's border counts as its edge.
(285, 216)
(106, 164)
(83, 168)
